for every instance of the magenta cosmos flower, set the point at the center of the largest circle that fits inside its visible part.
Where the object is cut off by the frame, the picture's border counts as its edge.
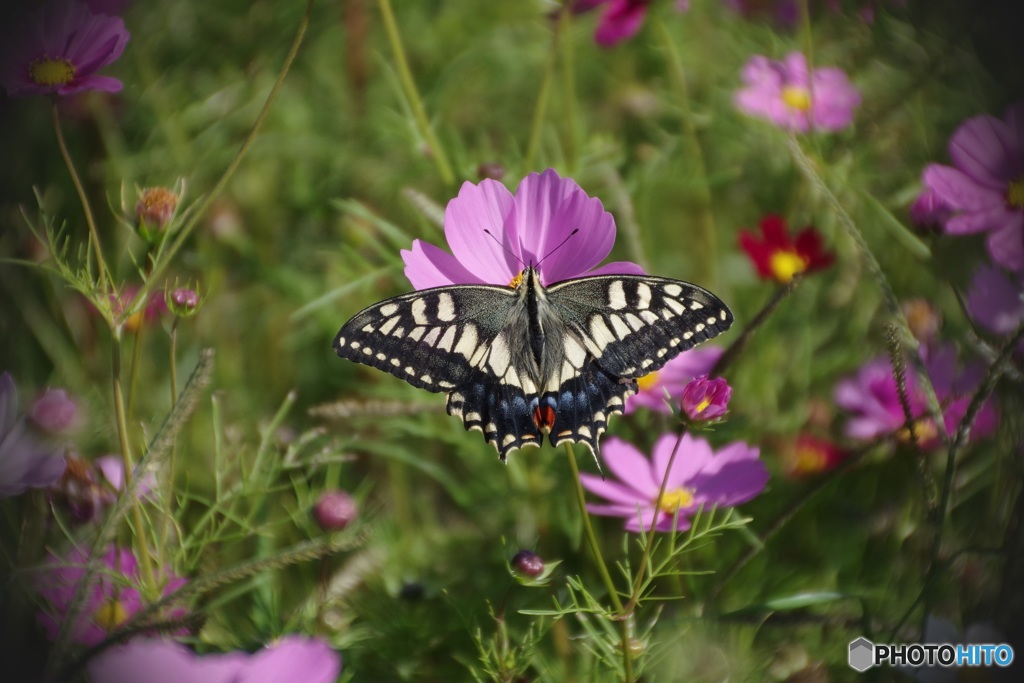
(872, 398)
(699, 477)
(113, 600)
(57, 47)
(672, 378)
(996, 300)
(531, 225)
(292, 658)
(792, 97)
(985, 186)
(27, 458)
(706, 399)
(621, 19)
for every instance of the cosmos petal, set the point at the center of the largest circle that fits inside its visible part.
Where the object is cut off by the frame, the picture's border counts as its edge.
(429, 266)
(478, 210)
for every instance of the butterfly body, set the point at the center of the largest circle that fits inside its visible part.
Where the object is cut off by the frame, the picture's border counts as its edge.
(526, 360)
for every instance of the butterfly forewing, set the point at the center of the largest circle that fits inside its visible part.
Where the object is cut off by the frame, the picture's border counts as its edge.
(634, 324)
(432, 338)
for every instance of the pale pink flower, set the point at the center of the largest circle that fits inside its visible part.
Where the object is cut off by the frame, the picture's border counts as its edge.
(290, 659)
(795, 98)
(27, 458)
(529, 226)
(699, 477)
(114, 597)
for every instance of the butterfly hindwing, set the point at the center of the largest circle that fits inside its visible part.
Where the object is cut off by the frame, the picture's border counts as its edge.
(634, 324)
(433, 338)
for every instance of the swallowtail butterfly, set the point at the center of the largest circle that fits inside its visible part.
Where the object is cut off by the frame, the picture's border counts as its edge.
(526, 360)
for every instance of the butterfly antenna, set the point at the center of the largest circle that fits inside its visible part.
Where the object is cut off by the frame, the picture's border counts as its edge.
(560, 245)
(502, 245)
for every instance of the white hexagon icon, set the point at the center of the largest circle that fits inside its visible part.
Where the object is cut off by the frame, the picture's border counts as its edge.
(862, 654)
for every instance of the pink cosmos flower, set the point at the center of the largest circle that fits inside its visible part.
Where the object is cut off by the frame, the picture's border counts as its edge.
(929, 211)
(620, 21)
(985, 186)
(872, 398)
(291, 658)
(699, 476)
(706, 399)
(114, 599)
(27, 459)
(793, 98)
(674, 377)
(542, 214)
(996, 300)
(54, 412)
(57, 47)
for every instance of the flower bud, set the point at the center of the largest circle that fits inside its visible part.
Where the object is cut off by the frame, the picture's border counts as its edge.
(335, 510)
(528, 564)
(54, 412)
(706, 399)
(154, 211)
(183, 302)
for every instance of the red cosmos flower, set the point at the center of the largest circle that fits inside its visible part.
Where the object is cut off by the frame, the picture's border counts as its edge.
(810, 455)
(779, 257)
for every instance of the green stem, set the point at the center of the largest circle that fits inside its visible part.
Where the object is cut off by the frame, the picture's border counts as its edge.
(141, 546)
(705, 260)
(988, 385)
(602, 568)
(133, 369)
(807, 167)
(94, 235)
(541, 107)
(734, 349)
(635, 597)
(568, 70)
(197, 215)
(411, 94)
(169, 467)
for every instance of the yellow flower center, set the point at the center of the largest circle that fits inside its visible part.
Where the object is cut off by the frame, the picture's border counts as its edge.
(702, 406)
(516, 281)
(647, 382)
(924, 431)
(809, 460)
(786, 264)
(796, 97)
(675, 499)
(109, 615)
(47, 71)
(1015, 194)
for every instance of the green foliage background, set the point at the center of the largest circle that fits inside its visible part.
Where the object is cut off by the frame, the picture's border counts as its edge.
(308, 232)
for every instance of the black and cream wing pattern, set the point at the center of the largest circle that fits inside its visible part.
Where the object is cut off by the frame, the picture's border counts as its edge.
(521, 362)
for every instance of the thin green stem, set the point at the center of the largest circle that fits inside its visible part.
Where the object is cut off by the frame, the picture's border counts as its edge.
(541, 107)
(705, 260)
(807, 35)
(642, 570)
(94, 235)
(892, 304)
(169, 467)
(412, 95)
(568, 71)
(121, 416)
(199, 213)
(133, 368)
(595, 548)
(734, 349)
(963, 431)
